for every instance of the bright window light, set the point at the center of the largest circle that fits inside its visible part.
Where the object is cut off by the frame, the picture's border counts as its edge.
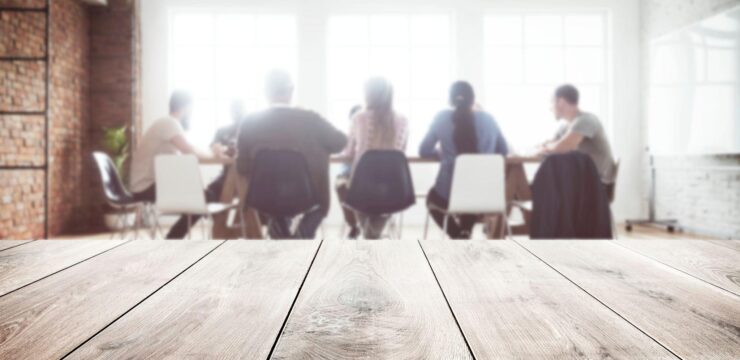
(218, 57)
(527, 55)
(412, 51)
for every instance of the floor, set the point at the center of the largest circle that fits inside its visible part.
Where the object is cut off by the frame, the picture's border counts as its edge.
(513, 299)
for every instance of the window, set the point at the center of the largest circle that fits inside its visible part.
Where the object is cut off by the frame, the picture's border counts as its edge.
(528, 55)
(412, 51)
(223, 56)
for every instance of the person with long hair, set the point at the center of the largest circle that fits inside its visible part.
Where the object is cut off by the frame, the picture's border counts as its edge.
(460, 130)
(377, 127)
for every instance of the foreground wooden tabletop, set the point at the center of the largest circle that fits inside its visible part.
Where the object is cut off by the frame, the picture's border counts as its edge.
(650, 299)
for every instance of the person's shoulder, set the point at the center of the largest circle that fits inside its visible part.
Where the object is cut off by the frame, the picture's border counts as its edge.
(589, 117)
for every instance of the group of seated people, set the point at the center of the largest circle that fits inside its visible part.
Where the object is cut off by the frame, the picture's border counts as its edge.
(463, 128)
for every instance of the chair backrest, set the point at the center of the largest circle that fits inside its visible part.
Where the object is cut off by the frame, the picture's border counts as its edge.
(381, 183)
(179, 185)
(113, 187)
(478, 185)
(280, 184)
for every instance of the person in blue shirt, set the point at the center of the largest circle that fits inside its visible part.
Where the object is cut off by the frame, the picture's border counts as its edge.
(457, 131)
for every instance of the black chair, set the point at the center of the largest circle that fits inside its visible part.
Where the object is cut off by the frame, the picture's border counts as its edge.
(280, 185)
(116, 194)
(381, 185)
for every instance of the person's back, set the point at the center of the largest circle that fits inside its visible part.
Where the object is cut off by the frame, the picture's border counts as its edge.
(155, 142)
(442, 132)
(459, 131)
(294, 129)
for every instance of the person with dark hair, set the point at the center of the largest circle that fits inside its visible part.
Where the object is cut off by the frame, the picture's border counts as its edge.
(166, 136)
(341, 185)
(582, 132)
(377, 127)
(460, 130)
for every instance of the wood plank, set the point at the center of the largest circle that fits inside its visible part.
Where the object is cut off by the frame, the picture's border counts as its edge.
(205, 312)
(699, 258)
(7, 244)
(510, 305)
(730, 244)
(372, 300)
(25, 264)
(690, 317)
(50, 318)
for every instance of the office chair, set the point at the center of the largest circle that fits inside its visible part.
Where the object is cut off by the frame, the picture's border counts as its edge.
(280, 185)
(381, 186)
(119, 198)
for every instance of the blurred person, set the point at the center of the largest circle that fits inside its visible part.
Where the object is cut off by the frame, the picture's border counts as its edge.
(377, 127)
(457, 131)
(166, 136)
(582, 131)
(282, 126)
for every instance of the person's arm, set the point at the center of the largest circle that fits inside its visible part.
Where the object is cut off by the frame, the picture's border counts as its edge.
(569, 142)
(244, 148)
(332, 139)
(204, 157)
(428, 147)
(501, 146)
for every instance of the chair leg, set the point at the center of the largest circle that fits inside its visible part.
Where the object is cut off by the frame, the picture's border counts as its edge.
(426, 225)
(510, 235)
(444, 227)
(241, 222)
(400, 226)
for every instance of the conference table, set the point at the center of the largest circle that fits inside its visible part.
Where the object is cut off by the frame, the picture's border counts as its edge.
(333, 299)
(235, 189)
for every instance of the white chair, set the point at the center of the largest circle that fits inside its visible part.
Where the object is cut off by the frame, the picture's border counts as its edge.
(478, 188)
(180, 190)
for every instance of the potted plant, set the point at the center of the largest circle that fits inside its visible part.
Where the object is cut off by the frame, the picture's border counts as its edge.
(115, 144)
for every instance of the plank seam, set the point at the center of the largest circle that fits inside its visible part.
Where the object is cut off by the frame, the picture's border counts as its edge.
(465, 338)
(142, 300)
(295, 300)
(15, 246)
(597, 299)
(60, 270)
(675, 268)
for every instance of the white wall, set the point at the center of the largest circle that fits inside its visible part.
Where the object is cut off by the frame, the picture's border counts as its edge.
(701, 192)
(468, 26)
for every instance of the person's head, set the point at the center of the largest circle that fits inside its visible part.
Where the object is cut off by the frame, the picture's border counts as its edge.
(462, 99)
(354, 110)
(181, 107)
(462, 95)
(279, 87)
(238, 110)
(379, 101)
(565, 102)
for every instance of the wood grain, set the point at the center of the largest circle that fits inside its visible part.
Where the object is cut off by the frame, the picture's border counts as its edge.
(229, 305)
(48, 319)
(691, 318)
(510, 305)
(371, 300)
(699, 258)
(25, 264)
(7, 244)
(730, 244)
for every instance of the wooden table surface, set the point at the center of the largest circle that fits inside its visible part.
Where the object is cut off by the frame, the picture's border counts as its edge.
(407, 299)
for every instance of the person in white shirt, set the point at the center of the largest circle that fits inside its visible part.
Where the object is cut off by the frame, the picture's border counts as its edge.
(166, 136)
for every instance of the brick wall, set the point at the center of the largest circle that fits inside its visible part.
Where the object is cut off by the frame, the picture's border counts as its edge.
(68, 125)
(94, 84)
(701, 192)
